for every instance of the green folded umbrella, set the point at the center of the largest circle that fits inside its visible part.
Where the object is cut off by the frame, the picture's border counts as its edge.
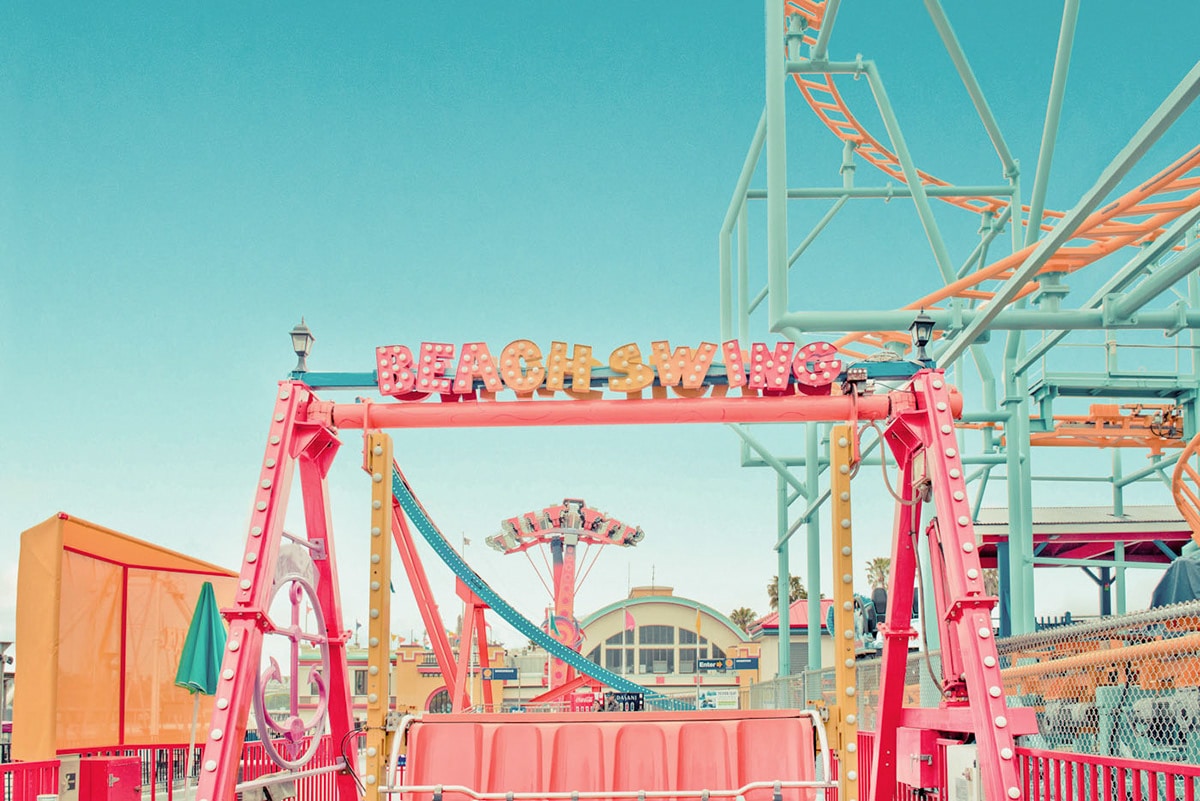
(200, 662)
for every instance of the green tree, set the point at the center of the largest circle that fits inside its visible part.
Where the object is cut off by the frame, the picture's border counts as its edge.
(878, 570)
(796, 590)
(743, 616)
(991, 581)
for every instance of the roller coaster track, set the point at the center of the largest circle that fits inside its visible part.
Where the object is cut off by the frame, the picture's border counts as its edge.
(1136, 218)
(420, 518)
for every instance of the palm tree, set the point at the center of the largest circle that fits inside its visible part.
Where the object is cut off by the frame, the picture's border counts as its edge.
(878, 570)
(743, 616)
(991, 581)
(796, 590)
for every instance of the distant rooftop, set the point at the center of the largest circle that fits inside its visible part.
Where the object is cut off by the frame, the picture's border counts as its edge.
(1150, 533)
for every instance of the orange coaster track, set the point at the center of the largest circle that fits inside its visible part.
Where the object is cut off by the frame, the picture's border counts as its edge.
(1136, 218)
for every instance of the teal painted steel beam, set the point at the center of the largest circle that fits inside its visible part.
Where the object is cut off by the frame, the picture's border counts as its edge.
(771, 460)
(803, 246)
(952, 320)
(813, 568)
(820, 47)
(777, 279)
(1164, 116)
(1058, 89)
(784, 582)
(1162, 546)
(1122, 589)
(883, 192)
(1158, 282)
(736, 203)
(743, 272)
(1049, 561)
(1120, 280)
(979, 254)
(950, 40)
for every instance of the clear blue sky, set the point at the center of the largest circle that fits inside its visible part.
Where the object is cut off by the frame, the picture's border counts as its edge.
(181, 184)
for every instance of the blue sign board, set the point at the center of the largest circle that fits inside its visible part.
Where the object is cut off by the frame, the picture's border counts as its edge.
(745, 663)
(710, 664)
(500, 674)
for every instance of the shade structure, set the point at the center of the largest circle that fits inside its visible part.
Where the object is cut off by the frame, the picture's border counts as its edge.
(200, 661)
(101, 619)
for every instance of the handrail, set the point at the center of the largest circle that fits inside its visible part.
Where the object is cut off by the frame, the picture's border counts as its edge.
(439, 790)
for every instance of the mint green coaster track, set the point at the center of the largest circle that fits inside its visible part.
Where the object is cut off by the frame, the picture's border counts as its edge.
(416, 513)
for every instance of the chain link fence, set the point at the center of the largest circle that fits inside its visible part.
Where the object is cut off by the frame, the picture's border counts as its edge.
(1126, 686)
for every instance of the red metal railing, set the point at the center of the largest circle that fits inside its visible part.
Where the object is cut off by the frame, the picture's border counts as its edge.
(1061, 774)
(24, 781)
(163, 769)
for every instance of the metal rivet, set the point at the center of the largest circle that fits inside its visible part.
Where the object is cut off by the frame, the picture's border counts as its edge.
(372, 698)
(847, 578)
(373, 642)
(210, 765)
(851, 718)
(937, 384)
(946, 429)
(261, 506)
(285, 395)
(1006, 753)
(251, 557)
(279, 418)
(376, 505)
(852, 747)
(842, 442)
(217, 734)
(848, 634)
(371, 751)
(994, 691)
(377, 450)
(373, 670)
(843, 469)
(849, 691)
(852, 775)
(374, 613)
(370, 780)
(972, 573)
(266, 483)
(227, 674)
(968, 547)
(845, 496)
(963, 520)
(244, 584)
(374, 558)
(222, 703)
(845, 522)
(958, 495)
(1001, 721)
(848, 606)
(270, 462)
(845, 550)
(374, 531)
(374, 586)
(941, 406)
(256, 531)
(954, 473)
(274, 440)
(234, 645)
(376, 477)
(989, 661)
(951, 452)
(1014, 793)
(849, 663)
(985, 632)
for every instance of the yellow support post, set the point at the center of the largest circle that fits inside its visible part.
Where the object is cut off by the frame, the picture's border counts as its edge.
(379, 466)
(843, 714)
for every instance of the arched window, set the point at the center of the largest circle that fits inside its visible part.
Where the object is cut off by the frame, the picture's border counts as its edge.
(439, 702)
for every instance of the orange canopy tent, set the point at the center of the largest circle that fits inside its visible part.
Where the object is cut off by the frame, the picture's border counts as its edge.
(101, 621)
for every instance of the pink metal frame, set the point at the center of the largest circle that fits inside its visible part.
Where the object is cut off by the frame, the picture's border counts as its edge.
(920, 433)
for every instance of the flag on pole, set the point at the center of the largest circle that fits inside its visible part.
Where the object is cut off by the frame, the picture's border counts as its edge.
(630, 625)
(697, 622)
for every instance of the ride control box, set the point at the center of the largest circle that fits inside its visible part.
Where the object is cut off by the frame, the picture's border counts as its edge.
(110, 779)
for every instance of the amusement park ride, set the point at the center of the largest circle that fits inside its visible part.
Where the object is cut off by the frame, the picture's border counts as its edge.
(836, 389)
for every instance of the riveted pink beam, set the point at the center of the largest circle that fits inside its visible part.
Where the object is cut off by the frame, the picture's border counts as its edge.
(656, 411)
(247, 617)
(897, 630)
(419, 582)
(461, 698)
(319, 448)
(966, 621)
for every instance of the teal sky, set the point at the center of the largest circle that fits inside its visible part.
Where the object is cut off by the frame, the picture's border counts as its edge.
(181, 183)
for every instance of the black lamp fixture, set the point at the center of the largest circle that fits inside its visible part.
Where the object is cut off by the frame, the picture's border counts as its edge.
(302, 342)
(922, 334)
